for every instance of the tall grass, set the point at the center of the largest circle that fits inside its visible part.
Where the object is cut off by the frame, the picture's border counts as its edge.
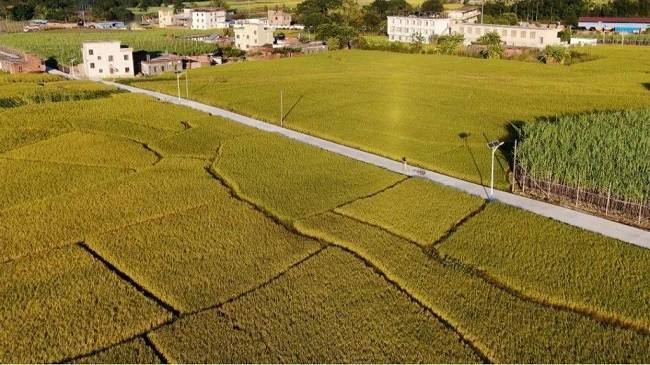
(600, 150)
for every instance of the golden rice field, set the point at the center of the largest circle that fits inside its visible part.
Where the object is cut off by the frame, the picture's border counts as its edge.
(437, 111)
(135, 231)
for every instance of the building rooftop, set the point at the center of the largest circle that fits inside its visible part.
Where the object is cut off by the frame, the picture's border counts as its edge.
(522, 26)
(613, 19)
(464, 9)
(207, 10)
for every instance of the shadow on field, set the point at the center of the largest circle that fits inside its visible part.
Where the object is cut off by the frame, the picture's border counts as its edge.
(646, 85)
(284, 117)
(463, 136)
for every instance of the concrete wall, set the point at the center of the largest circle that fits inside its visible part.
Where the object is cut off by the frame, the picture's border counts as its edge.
(209, 19)
(404, 28)
(107, 60)
(248, 36)
(517, 36)
(278, 18)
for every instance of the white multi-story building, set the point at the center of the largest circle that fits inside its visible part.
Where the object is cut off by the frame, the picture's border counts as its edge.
(209, 18)
(407, 28)
(512, 35)
(107, 59)
(248, 36)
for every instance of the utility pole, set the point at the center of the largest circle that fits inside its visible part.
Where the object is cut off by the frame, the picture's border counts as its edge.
(72, 68)
(187, 82)
(494, 146)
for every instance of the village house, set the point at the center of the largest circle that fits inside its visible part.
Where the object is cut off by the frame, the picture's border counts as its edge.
(16, 62)
(278, 18)
(103, 59)
(248, 36)
(161, 64)
(166, 17)
(209, 18)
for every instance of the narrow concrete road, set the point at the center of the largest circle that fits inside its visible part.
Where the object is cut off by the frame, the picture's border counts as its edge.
(582, 220)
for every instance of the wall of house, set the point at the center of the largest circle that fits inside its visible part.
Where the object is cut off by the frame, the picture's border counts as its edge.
(155, 68)
(209, 19)
(515, 36)
(278, 18)
(107, 60)
(248, 36)
(404, 28)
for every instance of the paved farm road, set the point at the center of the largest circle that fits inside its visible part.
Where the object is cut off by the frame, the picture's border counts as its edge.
(582, 220)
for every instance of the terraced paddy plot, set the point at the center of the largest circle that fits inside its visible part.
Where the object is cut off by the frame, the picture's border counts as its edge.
(438, 111)
(206, 255)
(353, 316)
(557, 263)
(13, 138)
(294, 180)
(132, 352)
(504, 327)
(415, 209)
(65, 303)
(26, 181)
(85, 149)
(172, 185)
(202, 141)
(132, 116)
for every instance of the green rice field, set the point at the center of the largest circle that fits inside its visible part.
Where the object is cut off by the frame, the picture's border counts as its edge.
(64, 46)
(137, 231)
(437, 111)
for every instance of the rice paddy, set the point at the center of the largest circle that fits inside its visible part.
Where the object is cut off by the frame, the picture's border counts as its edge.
(136, 231)
(437, 111)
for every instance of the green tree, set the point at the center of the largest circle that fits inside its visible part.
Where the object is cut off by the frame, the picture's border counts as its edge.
(492, 43)
(449, 44)
(432, 6)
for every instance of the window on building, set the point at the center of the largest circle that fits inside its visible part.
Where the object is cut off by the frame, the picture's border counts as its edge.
(110, 58)
(504, 33)
(92, 65)
(110, 70)
(99, 58)
(532, 35)
(126, 57)
(522, 34)
(90, 52)
(513, 33)
(462, 29)
(541, 40)
(101, 71)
